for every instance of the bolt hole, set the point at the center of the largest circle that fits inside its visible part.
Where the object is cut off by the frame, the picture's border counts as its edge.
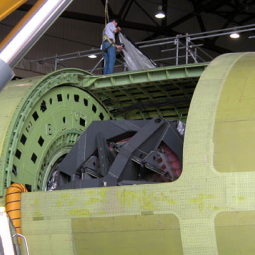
(34, 158)
(43, 106)
(76, 98)
(59, 96)
(18, 154)
(41, 141)
(23, 139)
(101, 116)
(64, 119)
(82, 122)
(94, 108)
(35, 115)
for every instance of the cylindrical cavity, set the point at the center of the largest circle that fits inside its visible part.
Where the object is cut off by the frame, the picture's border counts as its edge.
(30, 29)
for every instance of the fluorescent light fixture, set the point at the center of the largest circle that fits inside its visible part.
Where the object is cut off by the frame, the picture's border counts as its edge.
(234, 35)
(92, 56)
(160, 14)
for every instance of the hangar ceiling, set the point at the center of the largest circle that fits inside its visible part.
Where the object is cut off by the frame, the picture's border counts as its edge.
(80, 27)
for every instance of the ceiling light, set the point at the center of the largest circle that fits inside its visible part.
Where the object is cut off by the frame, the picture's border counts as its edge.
(160, 14)
(92, 56)
(234, 35)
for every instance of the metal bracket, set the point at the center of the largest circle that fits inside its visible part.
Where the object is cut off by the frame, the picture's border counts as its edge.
(92, 162)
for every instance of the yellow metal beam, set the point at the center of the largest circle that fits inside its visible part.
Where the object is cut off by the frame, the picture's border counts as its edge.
(7, 7)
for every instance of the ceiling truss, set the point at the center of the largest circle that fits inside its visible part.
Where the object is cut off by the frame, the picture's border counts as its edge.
(235, 12)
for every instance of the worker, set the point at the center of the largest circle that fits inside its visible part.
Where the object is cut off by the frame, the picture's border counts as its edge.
(109, 47)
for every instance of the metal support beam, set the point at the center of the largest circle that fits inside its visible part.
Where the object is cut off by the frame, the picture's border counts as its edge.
(207, 7)
(146, 13)
(127, 10)
(101, 20)
(132, 161)
(164, 8)
(123, 7)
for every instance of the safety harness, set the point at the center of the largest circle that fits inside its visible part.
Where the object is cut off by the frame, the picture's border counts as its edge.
(109, 40)
(104, 34)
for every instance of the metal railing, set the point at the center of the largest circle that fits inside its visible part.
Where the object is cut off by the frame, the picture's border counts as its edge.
(25, 241)
(183, 46)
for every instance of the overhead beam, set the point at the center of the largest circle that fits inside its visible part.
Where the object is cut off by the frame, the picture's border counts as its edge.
(146, 13)
(165, 10)
(248, 19)
(200, 20)
(199, 17)
(201, 23)
(236, 10)
(127, 10)
(123, 7)
(125, 24)
(100, 20)
(229, 20)
(233, 6)
(207, 7)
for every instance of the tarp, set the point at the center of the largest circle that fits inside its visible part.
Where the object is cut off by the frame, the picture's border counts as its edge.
(133, 57)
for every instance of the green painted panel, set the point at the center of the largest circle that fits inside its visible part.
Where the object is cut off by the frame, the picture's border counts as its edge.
(199, 196)
(204, 200)
(41, 119)
(164, 92)
(155, 75)
(235, 233)
(127, 235)
(235, 119)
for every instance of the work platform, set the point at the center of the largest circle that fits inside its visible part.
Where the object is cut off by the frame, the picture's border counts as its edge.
(165, 92)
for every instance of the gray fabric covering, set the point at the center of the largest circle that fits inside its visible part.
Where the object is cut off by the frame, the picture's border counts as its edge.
(133, 57)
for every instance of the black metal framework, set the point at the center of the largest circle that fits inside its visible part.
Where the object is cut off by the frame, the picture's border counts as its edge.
(115, 153)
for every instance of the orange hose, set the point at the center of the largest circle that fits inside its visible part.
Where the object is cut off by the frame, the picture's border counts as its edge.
(12, 203)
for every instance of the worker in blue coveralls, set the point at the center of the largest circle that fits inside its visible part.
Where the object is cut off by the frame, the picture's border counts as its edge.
(109, 47)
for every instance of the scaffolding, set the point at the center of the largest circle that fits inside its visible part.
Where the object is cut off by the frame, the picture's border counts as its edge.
(183, 45)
